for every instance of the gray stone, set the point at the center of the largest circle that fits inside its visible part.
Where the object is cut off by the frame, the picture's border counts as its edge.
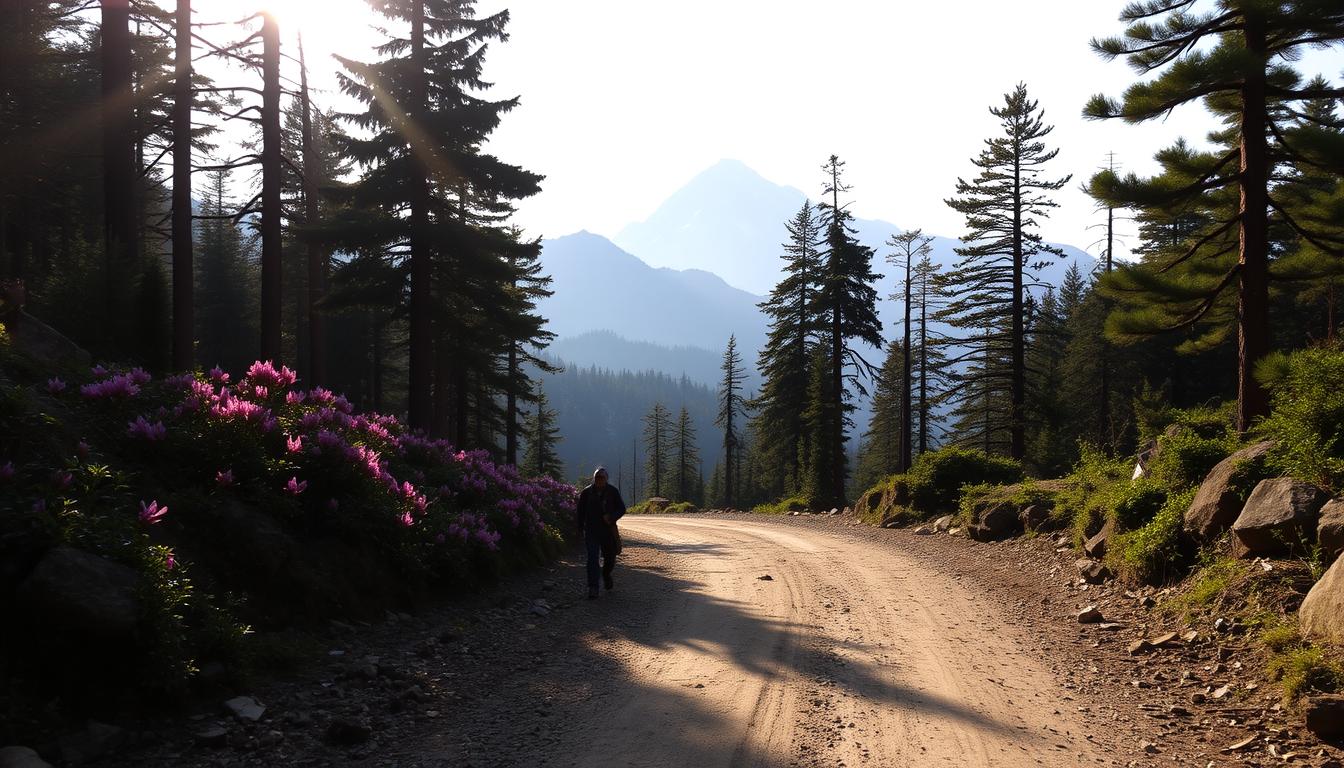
(923, 530)
(1092, 571)
(42, 342)
(83, 594)
(1330, 529)
(1325, 716)
(1218, 501)
(212, 736)
(1090, 615)
(247, 708)
(994, 521)
(1095, 547)
(21, 757)
(1279, 518)
(1322, 613)
(943, 523)
(1034, 517)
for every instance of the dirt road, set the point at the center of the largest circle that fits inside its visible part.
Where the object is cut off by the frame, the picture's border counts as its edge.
(847, 654)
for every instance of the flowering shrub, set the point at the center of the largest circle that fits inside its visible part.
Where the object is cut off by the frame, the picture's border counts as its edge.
(131, 447)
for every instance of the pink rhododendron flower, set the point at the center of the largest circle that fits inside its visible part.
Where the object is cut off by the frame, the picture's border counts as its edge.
(265, 374)
(407, 520)
(120, 385)
(296, 486)
(139, 376)
(219, 375)
(152, 513)
(143, 429)
(224, 478)
(169, 562)
(55, 385)
(294, 398)
(294, 444)
(98, 370)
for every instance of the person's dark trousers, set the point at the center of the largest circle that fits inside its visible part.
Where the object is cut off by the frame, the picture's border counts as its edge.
(604, 543)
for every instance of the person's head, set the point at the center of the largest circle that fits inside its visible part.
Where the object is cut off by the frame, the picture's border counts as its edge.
(600, 477)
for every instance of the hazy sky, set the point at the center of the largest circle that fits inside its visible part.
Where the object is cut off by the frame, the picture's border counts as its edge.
(623, 101)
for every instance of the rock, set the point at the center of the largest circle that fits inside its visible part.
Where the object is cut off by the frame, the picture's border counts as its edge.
(246, 708)
(83, 595)
(923, 530)
(1095, 547)
(656, 504)
(1149, 748)
(1279, 517)
(21, 757)
(993, 521)
(893, 524)
(1330, 529)
(1163, 639)
(42, 342)
(212, 736)
(348, 732)
(943, 523)
(1325, 716)
(1322, 613)
(1090, 615)
(1220, 692)
(1092, 571)
(1139, 646)
(766, 577)
(1218, 500)
(1034, 517)
(834, 511)
(1198, 697)
(97, 740)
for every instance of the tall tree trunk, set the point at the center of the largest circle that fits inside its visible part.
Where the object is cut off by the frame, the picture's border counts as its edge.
(1017, 427)
(1253, 260)
(184, 323)
(317, 253)
(421, 363)
(271, 171)
(907, 429)
(836, 493)
(119, 176)
(1104, 397)
(924, 364)
(511, 407)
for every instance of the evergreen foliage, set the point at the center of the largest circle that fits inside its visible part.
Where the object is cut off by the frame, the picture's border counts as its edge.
(731, 406)
(540, 459)
(658, 434)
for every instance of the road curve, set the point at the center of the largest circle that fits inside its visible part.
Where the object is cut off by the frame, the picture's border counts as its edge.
(849, 653)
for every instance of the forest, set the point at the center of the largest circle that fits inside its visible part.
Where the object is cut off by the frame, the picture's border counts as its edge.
(219, 293)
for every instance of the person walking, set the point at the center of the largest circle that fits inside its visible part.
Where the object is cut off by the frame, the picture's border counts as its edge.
(599, 507)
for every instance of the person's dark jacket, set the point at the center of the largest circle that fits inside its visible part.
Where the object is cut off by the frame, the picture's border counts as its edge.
(595, 502)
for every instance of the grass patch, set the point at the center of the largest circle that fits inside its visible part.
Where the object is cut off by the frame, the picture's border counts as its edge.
(782, 507)
(1156, 553)
(1304, 670)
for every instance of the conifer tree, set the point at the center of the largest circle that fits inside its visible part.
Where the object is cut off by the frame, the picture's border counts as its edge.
(686, 462)
(657, 441)
(847, 302)
(1049, 444)
(815, 456)
(930, 370)
(1231, 57)
(731, 405)
(540, 458)
(908, 247)
(1003, 206)
(880, 454)
(226, 300)
(784, 359)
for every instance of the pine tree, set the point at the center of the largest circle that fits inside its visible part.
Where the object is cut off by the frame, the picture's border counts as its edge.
(815, 457)
(1003, 206)
(907, 248)
(930, 370)
(1232, 59)
(847, 301)
(880, 453)
(731, 405)
(657, 438)
(540, 458)
(784, 359)
(1050, 446)
(226, 299)
(686, 462)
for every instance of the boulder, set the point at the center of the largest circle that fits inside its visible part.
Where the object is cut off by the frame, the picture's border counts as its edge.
(1330, 529)
(42, 342)
(1092, 571)
(998, 522)
(1218, 500)
(21, 757)
(656, 504)
(83, 595)
(943, 523)
(1279, 517)
(1095, 547)
(1325, 716)
(1034, 517)
(1322, 613)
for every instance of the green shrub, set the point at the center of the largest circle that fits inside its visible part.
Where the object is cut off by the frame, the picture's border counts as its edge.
(937, 478)
(1156, 552)
(1307, 420)
(681, 508)
(782, 507)
(1185, 457)
(1089, 492)
(1305, 670)
(1138, 503)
